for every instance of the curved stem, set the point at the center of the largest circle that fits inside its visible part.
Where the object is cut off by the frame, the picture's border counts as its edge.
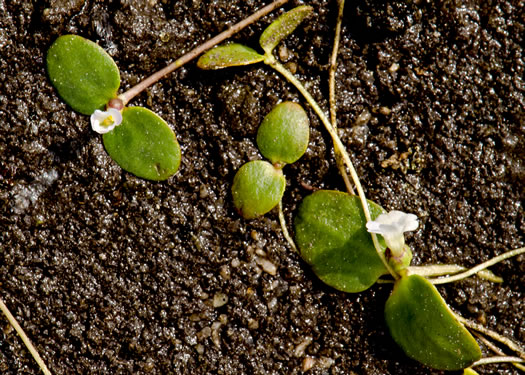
(270, 60)
(435, 270)
(494, 335)
(286, 234)
(135, 90)
(482, 266)
(12, 320)
(495, 349)
(331, 92)
(490, 360)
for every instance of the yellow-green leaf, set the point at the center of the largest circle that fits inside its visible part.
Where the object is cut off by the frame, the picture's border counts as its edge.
(283, 26)
(283, 135)
(232, 54)
(257, 188)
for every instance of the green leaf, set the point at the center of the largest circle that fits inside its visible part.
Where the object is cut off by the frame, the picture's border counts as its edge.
(257, 188)
(283, 26)
(144, 145)
(84, 75)
(331, 236)
(232, 54)
(283, 135)
(426, 329)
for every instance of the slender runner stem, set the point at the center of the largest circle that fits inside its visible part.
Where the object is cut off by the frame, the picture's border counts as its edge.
(12, 320)
(489, 360)
(331, 93)
(482, 266)
(270, 60)
(493, 335)
(135, 90)
(286, 234)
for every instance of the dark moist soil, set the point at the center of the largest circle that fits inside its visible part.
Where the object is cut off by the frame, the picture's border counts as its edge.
(111, 274)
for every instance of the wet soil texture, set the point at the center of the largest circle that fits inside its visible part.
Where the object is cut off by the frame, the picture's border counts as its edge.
(111, 274)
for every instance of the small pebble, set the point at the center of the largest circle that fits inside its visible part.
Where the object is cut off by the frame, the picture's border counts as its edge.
(308, 363)
(266, 265)
(220, 299)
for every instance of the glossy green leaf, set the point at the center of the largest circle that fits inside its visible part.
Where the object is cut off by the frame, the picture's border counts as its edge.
(283, 26)
(232, 54)
(84, 75)
(257, 188)
(331, 235)
(283, 135)
(426, 329)
(144, 145)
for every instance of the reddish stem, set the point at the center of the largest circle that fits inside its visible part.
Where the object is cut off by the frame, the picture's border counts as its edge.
(135, 90)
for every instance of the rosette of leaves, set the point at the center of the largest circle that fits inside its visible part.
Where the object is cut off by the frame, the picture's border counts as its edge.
(282, 137)
(87, 79)
(331, 235)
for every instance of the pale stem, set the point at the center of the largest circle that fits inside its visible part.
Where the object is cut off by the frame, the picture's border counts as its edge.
(331, 92)
(490, 360)
(482, 266)
(495, 349)
(135, 90)
(12, 320)
(435, 270)
(286, 234)
(494, 335)
(270, 60)
(333, 64)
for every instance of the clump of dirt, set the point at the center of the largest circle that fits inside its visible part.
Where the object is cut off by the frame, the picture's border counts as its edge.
(109, 273)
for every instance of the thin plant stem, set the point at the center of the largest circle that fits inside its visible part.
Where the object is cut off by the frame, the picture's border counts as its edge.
(135, 90)
(490, 360)
(496, 350)
(286, 234)
(482, 266)
(333, 64)
(435, 270)
(494, 335)
(12, 320)
(270, 60)
(331, 93)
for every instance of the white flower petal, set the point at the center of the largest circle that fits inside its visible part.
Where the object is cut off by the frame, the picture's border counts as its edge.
(374, 227)
(117, 116)
(391, 226)
(103, 122)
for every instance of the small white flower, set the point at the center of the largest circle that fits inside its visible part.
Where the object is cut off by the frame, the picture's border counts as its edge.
(392, 226)
(105, 121)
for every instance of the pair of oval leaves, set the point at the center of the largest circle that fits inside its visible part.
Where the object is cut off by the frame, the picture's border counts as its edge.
(282, 138)
(331, 235)
(235, 54)
(87, 78)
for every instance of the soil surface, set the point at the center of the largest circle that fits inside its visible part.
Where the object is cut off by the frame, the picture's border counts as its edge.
(112, 274)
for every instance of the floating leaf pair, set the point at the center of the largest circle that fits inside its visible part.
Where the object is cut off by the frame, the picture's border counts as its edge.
(258, 186)
(87, 78)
